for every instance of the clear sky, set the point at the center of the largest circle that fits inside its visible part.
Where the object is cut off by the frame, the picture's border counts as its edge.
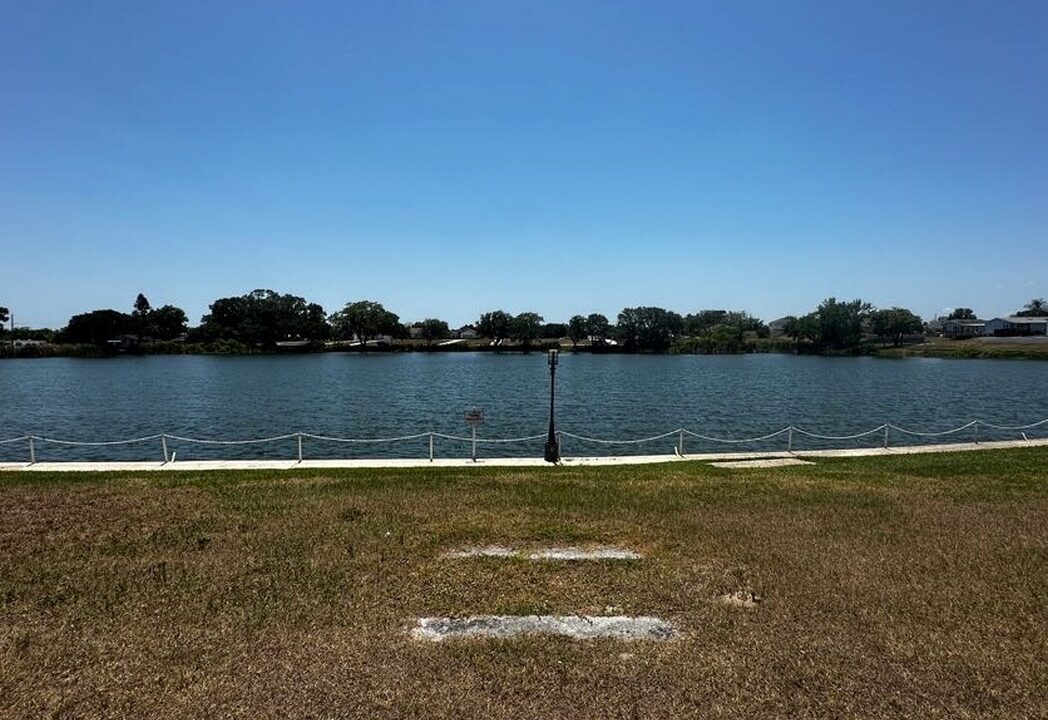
(447, 158)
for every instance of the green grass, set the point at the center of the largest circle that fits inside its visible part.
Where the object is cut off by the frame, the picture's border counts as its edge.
(910, 586)
(971, 349)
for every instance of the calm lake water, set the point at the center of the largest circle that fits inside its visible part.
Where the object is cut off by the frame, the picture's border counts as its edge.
(602, 396)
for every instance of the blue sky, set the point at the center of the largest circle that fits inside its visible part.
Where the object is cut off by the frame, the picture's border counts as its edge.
(447, 158)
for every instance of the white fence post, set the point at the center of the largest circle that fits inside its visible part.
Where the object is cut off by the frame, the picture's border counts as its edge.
(474, 453)
(299, 434)
(789, 441)
(163, 446)
(431, 446)
(32, 451)
(680, 442)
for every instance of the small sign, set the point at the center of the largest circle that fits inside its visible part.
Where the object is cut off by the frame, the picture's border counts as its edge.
(475, 417)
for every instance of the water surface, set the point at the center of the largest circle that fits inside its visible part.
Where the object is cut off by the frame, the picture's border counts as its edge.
(602, 396)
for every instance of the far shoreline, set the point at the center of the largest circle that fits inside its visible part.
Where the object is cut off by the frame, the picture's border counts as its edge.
(1005, 349)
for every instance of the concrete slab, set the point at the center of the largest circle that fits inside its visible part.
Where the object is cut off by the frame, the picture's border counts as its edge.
(551, 553)
(579, 627)
(767, 463)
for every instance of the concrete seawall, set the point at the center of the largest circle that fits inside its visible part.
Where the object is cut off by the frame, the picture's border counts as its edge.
(199, 465)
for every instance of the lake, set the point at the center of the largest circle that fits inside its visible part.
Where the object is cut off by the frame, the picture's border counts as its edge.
(600, 396)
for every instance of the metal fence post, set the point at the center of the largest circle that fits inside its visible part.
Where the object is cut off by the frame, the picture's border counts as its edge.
(163, 446)
(431, 447)
(680, 442)
(789, 441)
(976, 426)
(474, 453)
(560, 444)
(886, 426)
(32, 451)
(299, 434)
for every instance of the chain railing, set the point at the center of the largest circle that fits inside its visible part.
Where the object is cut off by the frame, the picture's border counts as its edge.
(792, 432)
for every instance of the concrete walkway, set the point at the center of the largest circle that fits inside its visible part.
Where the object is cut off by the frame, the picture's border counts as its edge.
(198, 465)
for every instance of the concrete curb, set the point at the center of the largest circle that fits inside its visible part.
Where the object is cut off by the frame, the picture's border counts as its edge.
(380, 463)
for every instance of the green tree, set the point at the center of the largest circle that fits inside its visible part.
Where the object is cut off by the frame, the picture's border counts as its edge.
(5, 315)
(725, 337)
(526, 327)
(167, 322)
(840, 323)
(649, 328)
(894, 324)
(496, 325)
(263, 318)
(697, 323)
(961, 314)
(364, 320)
(1037, 307)
(434, 329)
(598, 328)
(142, 306)
(97, 327)
(578, 329)
(554, 331)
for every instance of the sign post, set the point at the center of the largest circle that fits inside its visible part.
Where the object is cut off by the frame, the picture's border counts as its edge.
(474, 417)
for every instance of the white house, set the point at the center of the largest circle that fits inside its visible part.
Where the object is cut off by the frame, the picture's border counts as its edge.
(1015, 326)
(467, 332)
(963, 328)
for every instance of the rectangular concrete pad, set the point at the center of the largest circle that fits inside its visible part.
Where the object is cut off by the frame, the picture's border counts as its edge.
(768, 463)
(550, 553)
(579, 627)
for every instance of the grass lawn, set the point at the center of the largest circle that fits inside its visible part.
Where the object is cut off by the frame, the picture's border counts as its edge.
(913, 586)
(971, 348)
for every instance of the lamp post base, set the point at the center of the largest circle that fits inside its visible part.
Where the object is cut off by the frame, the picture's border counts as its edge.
(552, 451)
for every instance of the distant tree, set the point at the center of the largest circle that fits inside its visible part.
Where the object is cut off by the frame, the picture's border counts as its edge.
(697, 323)
(433, 329)
(649, 328)
(840, 323)
(1037, 307)
(743, 322)
(263, 318)
(142, 306)
(578, 329)
(961, 314)
(554, 331)
(894, 324)
(97, 327)
(167, 322)
(5, 315)
(496, 325)
(807, 327)
(725, 337)
(364, 320)
(598, 328)
(526, 328)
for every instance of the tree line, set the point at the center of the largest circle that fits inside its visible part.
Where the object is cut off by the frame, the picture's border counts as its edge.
(262, 319)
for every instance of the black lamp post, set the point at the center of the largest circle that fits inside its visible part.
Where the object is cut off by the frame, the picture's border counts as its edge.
(552, 446)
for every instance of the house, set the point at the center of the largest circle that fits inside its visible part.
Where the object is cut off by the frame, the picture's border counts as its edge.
(777, 328)
(467, 332)
(963, 328)
(1017, 326)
